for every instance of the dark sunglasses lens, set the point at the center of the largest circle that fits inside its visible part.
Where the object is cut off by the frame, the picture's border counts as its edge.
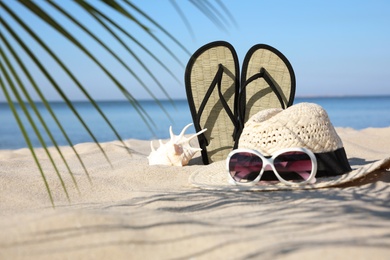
(293, 166)
(245, 167)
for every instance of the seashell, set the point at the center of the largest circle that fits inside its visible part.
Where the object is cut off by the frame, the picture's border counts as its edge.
(177, 151)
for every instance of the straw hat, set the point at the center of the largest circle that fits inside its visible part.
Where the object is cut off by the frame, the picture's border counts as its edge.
(303, 125)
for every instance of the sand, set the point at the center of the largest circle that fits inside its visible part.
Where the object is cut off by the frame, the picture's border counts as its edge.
(136, 211)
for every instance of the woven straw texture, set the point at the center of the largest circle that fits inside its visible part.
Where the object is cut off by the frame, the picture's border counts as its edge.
(259, 95)
(302, 125)
(219, 126)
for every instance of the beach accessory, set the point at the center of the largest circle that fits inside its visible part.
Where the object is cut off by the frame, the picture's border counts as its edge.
(211, 79)
(290, 166)
(267, 81)
(177, 151)
(304, 125)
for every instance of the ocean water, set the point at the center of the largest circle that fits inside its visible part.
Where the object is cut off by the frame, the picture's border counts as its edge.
(354, 112)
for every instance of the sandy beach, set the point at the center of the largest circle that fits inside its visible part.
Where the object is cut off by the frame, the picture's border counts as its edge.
(131, 210)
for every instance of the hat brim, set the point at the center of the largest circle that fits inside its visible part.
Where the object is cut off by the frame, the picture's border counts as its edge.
(214, 177)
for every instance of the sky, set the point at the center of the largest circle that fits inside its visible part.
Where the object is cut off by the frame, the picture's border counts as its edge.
(336, 48)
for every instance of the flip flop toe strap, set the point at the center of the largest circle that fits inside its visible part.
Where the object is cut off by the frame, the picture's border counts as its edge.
(263, 73)
(217, 81)
(271, 82)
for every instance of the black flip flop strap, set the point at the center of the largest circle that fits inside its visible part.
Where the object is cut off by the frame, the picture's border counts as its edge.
(268, 78)
(217, 81)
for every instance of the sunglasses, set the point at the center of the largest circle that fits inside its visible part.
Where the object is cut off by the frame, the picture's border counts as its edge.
(291, 166)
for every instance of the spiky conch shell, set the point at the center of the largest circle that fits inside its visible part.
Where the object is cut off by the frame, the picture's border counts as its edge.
(177, 151)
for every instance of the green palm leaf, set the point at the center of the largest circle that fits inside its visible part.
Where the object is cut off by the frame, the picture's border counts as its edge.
(14, 53)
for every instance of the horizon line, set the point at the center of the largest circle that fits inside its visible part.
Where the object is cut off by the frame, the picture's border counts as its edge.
(184, 98)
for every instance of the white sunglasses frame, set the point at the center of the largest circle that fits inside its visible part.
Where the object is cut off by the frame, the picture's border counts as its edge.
(270, 161)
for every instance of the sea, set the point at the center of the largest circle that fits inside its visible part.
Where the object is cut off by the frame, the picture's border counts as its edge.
(357, 112)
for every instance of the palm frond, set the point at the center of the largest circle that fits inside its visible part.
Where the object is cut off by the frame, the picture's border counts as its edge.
(37, 113)
(23, 129)
(15, 53)
(47, 106)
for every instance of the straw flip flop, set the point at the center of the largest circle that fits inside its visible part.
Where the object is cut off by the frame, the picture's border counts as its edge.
(211, 80)
(267, 81)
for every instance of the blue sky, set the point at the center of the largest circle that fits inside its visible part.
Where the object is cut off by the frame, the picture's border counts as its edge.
(335, 47)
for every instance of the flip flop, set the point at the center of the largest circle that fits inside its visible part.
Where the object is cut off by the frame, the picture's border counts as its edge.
(212, 85)
(267, 81)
